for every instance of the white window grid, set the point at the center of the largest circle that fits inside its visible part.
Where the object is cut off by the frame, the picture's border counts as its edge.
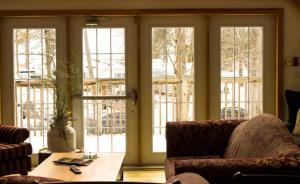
(104, 90)
(172, 95)
(242, 96)
(34, 97)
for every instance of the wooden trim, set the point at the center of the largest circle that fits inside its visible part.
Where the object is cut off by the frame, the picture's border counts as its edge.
(139, 67)
(144, 12)
(207, 69)
(69, 92)
(279, 63)
(1, 30)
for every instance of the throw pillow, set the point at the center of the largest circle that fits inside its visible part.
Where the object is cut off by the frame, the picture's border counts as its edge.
(296, 131)
(260, 136)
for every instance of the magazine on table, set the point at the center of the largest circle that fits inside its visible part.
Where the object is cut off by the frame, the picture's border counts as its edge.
(73, 161)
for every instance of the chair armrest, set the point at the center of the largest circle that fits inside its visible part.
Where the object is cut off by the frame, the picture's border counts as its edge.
(169, 168)
(13, 135)
(198, 138)
(224, 169)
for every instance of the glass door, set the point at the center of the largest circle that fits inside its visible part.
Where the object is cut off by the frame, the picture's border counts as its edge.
(33, 47)
(104, 77)
(108, 78)
(203, 67)
(243, 72)
(171, 62)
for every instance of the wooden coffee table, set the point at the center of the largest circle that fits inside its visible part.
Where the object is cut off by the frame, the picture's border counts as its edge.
(108, 167)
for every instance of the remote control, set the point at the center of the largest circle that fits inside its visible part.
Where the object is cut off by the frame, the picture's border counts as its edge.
(75, 169)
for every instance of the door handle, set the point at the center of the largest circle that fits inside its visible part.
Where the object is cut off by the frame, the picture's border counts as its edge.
(132, 95)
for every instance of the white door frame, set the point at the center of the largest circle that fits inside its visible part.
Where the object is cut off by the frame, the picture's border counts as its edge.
(200, 102)
(269, 65)
(75, 25)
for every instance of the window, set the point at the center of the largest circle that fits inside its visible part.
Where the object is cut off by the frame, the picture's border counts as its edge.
(172, 79)
(34, 64)
(104, 81)
(183, 67)
(241, 72)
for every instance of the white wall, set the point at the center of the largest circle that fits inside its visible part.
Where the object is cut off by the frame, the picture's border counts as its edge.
(291, 18)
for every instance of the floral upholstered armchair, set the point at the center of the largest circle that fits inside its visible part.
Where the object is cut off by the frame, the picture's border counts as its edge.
(218, 149)
(14, 152)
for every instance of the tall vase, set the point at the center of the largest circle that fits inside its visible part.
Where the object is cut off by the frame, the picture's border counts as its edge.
(61, 139)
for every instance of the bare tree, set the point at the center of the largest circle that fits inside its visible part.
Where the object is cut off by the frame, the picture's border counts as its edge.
(173, 45)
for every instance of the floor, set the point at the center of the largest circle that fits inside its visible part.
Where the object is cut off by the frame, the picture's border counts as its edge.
(154, 175)
(157, 176)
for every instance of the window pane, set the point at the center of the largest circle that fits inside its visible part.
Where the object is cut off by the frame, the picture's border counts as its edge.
(241, 72)
(104, 71)
(255, 64)
(227, 67)
(89, 42)
(35, 41)
(227, 39)
(241, 39)
(172, 79)
(241, 64)
(34, 63)
(104, 75)
(105, 125)
(256, 39)
(21, 66)
(118, 70)
(20, 38)
(118, 42)
(103, 38)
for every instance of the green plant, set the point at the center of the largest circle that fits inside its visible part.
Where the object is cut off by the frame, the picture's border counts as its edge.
(62, 110)
(62, 113)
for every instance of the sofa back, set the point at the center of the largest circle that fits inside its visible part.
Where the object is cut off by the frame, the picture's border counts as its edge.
(261, 136)
(199, 138)
(12, 134)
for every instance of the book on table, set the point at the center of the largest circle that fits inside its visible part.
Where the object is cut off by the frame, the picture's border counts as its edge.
(73, 161)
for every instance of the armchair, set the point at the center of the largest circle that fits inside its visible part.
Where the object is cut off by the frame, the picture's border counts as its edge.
(218, 149)
(14, 152)
(293, 103)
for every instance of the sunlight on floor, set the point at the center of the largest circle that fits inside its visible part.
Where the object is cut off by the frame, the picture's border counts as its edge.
(145, 176)
(157, 176)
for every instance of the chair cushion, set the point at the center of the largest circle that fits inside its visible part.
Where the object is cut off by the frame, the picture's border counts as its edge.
(11, 151)
(261, 136)
(26, 179)
(296, 131)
